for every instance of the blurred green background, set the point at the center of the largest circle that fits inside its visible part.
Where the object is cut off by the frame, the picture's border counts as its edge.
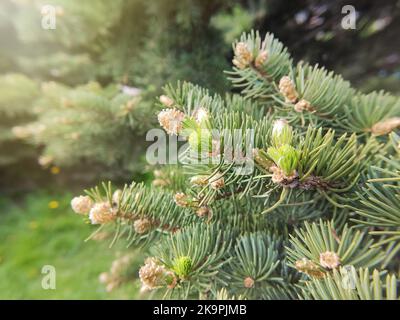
(77, 100)
(42, 231)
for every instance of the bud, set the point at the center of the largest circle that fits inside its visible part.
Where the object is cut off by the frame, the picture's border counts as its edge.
(182, 200)
(248, 283)
(217, 181)
(282, 133)
(81, 204)
(385, 126)
(243, 56)
(288, 90)
(102, 213)
(152, 275)
(182, 266)
(261, 58)
(329, 260)
(308, 267)
(166, 101)
(302, 105)
(171, 120)
(203, 212)
(285, 157)
(280, 177)
(141, 226)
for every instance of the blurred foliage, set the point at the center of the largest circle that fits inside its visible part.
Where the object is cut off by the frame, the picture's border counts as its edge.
(312, 30)
(14, 112)
(88, 123)
(99, 72)
(144, 44)
(42, 231)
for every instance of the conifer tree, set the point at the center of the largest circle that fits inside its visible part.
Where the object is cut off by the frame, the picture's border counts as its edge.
(315, 217)
(98, 72)
(14, 115)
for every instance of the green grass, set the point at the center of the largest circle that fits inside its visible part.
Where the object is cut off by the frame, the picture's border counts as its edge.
(33, 235)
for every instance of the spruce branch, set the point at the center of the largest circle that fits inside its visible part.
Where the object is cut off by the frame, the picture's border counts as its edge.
(319, 248)
(353, 284)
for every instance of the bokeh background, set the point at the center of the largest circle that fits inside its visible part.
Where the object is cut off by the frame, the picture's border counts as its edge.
(76, 101)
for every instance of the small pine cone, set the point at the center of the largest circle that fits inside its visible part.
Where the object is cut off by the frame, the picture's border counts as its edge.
(81, 204)
(217, 181)
(141, 226)
(385, 126)
(181, 200)
(308, 267)
(102, 213)
(166, 101)
(248, 282)
(288, 90)
(152, 274)
(279, 176)
(171, 120)
(239, 64)
(329, 260)
(261, 58)
(243, 56)
(302, 105)
(203, 212)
